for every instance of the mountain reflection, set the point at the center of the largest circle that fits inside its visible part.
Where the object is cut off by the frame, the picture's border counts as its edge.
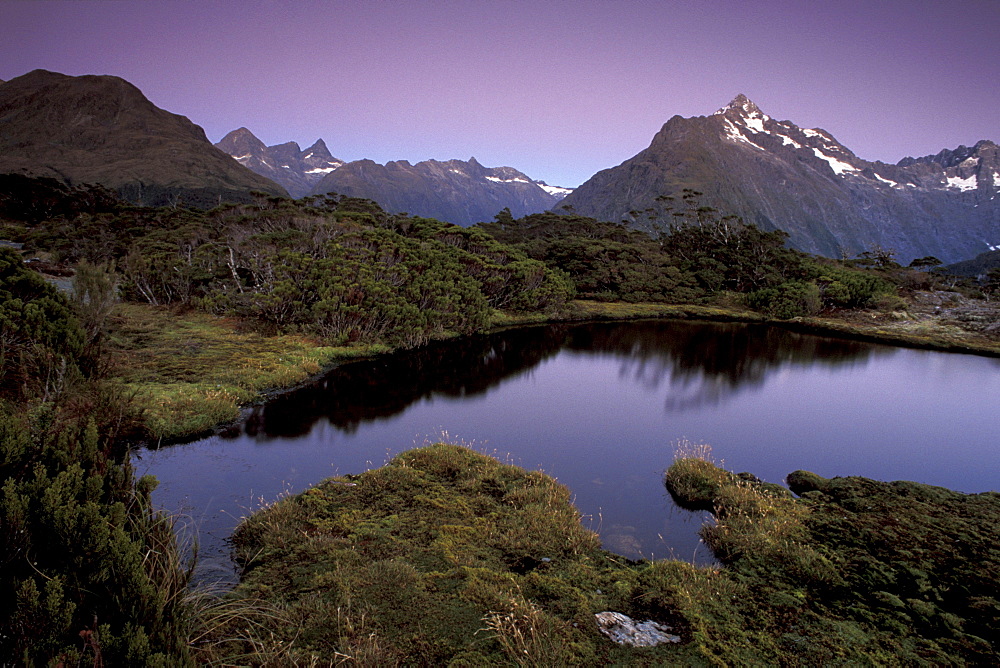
(701, 362)
(705, 362)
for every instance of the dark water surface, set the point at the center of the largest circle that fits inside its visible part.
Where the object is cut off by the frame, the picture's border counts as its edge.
(601, 407)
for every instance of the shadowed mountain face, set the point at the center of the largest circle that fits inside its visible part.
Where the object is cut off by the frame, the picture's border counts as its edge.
(779, 176)
(285, 164)
(102, 129)
(456, 191)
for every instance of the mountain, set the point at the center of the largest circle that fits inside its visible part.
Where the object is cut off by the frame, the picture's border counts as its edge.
(285, 164)
(457, 191)
(831, 202)
(978, 266)
(102, 129)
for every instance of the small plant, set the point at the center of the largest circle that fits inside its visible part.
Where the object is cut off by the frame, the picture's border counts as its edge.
(529, 636)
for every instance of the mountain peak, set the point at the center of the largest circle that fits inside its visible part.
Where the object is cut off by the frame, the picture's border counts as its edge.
(241, 142)
(319, 150)
(102, 129)
(742, 105)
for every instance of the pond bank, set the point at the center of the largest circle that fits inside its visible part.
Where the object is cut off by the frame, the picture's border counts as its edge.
(193, 372)
(448, 555)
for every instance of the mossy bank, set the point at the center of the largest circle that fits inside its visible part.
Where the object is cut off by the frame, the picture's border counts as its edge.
(446, 556)
(192, 371)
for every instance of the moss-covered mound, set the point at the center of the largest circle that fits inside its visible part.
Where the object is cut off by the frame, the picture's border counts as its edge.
(855, 570)
(448, 557)
(443, 556)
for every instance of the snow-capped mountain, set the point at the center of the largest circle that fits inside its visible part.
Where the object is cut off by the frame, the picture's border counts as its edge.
(457, 191)
(778, 175)
(286, 164)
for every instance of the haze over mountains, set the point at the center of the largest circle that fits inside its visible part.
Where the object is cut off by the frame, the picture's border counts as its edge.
(102, 129)
(779, 176)
(458, 191)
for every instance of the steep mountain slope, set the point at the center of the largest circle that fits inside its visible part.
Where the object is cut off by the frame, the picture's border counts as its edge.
(457, 191)
(285, 164)
(102, 129)
(777, 175)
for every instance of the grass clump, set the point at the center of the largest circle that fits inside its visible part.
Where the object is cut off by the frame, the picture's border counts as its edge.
(444, 555)
(192, 371)
(852, 571)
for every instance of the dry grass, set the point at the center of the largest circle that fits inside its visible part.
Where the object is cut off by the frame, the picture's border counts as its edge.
(192, 370)
(528, 636)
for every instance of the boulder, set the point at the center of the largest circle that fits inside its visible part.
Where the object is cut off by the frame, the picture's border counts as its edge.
(626, 631)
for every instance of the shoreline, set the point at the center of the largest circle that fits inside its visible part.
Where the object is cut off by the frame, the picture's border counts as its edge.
(886, 329)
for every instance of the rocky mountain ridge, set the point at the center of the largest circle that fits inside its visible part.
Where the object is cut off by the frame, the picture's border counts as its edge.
(103, 130)
(463, 192)
(286, 164)
(780, 176)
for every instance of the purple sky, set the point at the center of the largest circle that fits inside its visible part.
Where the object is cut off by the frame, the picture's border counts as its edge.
(556, 89)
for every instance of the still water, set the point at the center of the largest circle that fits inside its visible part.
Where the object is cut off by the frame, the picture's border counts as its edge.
(601, 408)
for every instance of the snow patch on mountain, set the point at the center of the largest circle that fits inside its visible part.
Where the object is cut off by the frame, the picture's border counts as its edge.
(755, 121)
(733, 133)
(499, 180)
(839, 167)
(964, 185)
(885, 180)
(553, 190)
(788, 141)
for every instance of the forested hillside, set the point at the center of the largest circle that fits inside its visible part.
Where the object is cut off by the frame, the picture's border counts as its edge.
(336, 267)
(691, 253)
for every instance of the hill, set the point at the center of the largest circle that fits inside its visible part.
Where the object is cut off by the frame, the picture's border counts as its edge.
(103, 130)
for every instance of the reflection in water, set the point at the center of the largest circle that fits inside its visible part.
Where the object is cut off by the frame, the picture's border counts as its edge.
(599, 406)
(360, 392)
(705, 362)
(701, 362)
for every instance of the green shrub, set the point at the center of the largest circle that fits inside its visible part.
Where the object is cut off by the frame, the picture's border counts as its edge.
(787, 300)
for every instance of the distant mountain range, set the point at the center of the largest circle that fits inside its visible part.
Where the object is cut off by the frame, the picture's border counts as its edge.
(286, 164)
(778, 175)
(102, 129)
(457, 191)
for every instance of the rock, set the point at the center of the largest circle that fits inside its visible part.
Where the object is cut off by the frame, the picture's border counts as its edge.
(626, 631)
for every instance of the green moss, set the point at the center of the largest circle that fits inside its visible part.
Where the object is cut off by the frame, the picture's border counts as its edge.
(858, 570)
(448, 555)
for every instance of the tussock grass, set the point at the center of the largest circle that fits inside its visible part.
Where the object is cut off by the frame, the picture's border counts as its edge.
(694, 480)
(192, 370)
(448, 556)
(529, 636)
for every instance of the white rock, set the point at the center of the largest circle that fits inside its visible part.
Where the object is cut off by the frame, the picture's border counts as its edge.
(626, 631)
